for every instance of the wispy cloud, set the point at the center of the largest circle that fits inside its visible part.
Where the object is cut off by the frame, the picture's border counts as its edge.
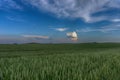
(36, 36)
(115, 20)
(76, 8)
(9, 4)
(10, 39)
(102, 29)
(15, 18)
(60, 29)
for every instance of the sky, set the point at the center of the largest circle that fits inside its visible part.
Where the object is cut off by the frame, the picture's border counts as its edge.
(48, 21)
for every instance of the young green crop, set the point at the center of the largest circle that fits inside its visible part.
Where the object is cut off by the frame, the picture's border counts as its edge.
(60, 62)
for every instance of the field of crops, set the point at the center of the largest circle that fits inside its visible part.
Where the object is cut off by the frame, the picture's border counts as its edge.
(60, 61)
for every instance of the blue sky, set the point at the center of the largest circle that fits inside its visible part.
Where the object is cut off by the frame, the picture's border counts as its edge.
(47, 21)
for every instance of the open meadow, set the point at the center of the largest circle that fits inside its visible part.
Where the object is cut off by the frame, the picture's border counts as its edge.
(88, 61)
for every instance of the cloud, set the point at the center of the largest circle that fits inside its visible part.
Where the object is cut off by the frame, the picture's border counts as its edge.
(72, 35)
(15, 18)
(36, 36)
(10, 39)
(60, 29)
(9, 4)
(115, 20)
(76, 8)
(109, 28)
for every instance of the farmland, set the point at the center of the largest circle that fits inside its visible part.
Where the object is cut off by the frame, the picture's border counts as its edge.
(88, 61)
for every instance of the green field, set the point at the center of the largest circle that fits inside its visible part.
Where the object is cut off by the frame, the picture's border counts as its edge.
(90, 61)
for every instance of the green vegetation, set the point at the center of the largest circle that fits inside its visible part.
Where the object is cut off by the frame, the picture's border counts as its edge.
(60, 61)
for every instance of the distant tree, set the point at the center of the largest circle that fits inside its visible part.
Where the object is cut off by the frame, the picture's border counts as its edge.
(15, 43)
(95, 42)
(33, 43)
